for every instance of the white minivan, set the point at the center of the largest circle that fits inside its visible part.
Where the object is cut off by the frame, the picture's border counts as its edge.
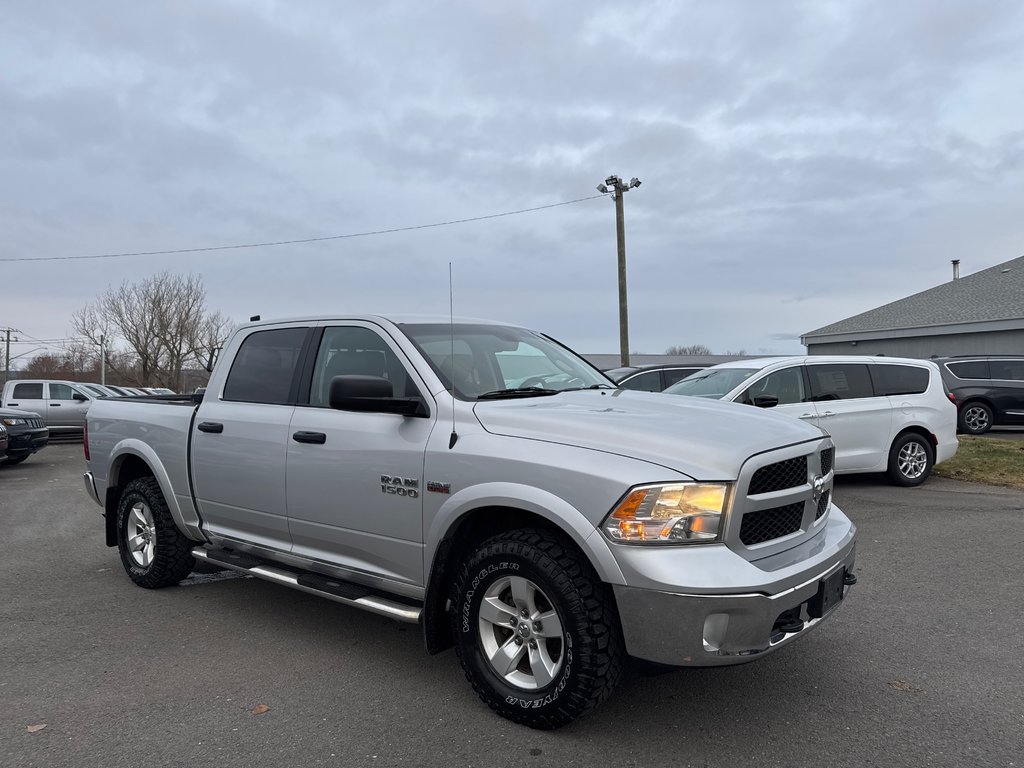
(885, 414)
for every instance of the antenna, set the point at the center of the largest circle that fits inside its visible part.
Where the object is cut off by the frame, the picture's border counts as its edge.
(451, 330)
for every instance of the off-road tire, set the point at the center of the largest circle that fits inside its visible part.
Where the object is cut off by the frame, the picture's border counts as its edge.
(170, 559)
(911, 459)
(590, 639)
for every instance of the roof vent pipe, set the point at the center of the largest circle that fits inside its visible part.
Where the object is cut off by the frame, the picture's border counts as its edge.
(956, 269)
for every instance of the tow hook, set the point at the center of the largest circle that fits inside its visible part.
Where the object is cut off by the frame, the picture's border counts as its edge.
(849, 578)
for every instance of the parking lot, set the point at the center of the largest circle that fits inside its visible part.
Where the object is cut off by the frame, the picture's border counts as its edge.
(924, 665)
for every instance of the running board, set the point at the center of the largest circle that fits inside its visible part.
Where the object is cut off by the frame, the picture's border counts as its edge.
(344, 592)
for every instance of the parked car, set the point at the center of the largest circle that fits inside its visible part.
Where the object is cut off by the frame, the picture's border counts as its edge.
(26, 434)
(885, 414)
(100, 390)
(989, 390)
(62, 404)
(119, 391)
(3, 442)
(158, 391)
(651, 378)
(487, 483)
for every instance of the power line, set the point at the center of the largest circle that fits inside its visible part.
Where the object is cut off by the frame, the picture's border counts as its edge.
(303, 240)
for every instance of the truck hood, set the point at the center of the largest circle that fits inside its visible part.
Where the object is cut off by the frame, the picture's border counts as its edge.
(705, 439)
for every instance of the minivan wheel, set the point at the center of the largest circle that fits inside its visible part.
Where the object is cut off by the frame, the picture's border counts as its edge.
(536, 631)
(910, 460)
(153, 551)
(975, 418)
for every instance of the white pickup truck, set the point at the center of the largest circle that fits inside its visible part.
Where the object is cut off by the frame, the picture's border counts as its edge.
(483, 481)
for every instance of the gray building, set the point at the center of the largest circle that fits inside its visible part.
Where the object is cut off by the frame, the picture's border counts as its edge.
(982, 313)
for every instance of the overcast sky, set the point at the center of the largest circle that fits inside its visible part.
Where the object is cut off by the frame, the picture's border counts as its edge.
(801, 161)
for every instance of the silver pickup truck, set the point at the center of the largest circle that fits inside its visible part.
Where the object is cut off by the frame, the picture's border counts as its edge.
(486, 482)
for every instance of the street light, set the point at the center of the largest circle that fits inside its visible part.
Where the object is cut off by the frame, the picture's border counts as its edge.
(617, 189)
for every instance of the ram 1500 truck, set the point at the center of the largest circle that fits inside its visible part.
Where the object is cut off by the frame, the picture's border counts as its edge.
(484, 481)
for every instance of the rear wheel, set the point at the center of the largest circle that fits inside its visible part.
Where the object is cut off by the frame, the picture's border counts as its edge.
(536, 630)
(910, 460)
(153, 551)
(975, 418)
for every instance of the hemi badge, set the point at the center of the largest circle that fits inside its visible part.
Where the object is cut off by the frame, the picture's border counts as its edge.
(433, 487)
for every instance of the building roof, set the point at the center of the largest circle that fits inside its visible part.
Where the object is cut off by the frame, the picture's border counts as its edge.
(991, 296)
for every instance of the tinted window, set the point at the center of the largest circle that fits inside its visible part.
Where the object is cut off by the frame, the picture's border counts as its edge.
(972, 369)
(839, 381)
(787, 385)
(672, 375)
(1012, 370)
(28, 391)
(351, 350)
(899, 379)
(648, 381)
(263, 369)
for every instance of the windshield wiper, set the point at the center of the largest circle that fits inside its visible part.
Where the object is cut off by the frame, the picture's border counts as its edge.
(592, 386)
(517, 392)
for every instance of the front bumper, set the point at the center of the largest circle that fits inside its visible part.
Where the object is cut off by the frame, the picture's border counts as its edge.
(27, 442)
(694, 627)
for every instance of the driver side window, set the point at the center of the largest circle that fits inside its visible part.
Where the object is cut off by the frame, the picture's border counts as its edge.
(356, 350)
(787, 385)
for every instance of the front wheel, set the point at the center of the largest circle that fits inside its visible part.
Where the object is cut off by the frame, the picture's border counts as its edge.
(536, 630)
(153, 551)
(975, 419)
(910, 460)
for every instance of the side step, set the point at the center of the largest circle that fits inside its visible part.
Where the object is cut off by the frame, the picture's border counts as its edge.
(340, 591)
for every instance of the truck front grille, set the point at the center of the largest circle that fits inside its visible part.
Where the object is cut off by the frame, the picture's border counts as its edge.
(779, 476)
(827, 456)
(767, 524)
(822, 504)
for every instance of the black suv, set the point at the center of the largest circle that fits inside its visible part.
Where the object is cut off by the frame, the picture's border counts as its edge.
(26, 434)
(989, 390)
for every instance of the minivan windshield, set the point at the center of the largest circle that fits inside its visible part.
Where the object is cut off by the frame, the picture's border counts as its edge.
(499, 361)
(712, 382)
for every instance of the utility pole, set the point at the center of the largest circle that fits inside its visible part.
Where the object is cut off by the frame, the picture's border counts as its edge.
(7, 354)
(103, 361)
(618, 188)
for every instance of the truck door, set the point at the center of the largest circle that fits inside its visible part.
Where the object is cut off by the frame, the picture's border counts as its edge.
(64, 411)
(240, 440)
(355, 480)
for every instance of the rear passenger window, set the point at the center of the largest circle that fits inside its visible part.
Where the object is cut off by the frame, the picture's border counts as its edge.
(972, 369)
(1012, 370)
(899, 379)
(649, 381)
(28, 391)
(840, 381)
(264, 367)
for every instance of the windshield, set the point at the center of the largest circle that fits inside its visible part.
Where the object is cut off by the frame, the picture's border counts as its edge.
(499, 361)
(712, 382)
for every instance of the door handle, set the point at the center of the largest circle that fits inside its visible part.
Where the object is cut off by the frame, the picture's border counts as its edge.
(317, 438)
(829, 413)
(55, 405)
(808, 415)
(210, 426)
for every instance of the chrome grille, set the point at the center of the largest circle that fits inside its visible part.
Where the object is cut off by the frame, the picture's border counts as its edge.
(823, 504)
(779, 476)
(827, 457)
(768, 524)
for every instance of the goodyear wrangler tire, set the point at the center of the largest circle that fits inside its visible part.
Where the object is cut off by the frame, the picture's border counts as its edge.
(536, 630)
(153, 551)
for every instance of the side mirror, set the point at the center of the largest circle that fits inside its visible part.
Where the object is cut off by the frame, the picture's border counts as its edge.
(766, 401)
(79, 397)
(372, 394)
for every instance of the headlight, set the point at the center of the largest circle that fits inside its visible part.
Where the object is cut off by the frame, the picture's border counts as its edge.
(679, 513)
(12, 422)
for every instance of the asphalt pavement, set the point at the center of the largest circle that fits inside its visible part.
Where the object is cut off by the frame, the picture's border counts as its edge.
(922, 666)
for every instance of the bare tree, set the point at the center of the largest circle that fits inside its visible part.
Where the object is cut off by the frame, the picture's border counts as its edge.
(693, 349)
(163, 322)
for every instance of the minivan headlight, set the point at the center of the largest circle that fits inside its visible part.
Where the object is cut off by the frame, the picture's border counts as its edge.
(675, 513)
